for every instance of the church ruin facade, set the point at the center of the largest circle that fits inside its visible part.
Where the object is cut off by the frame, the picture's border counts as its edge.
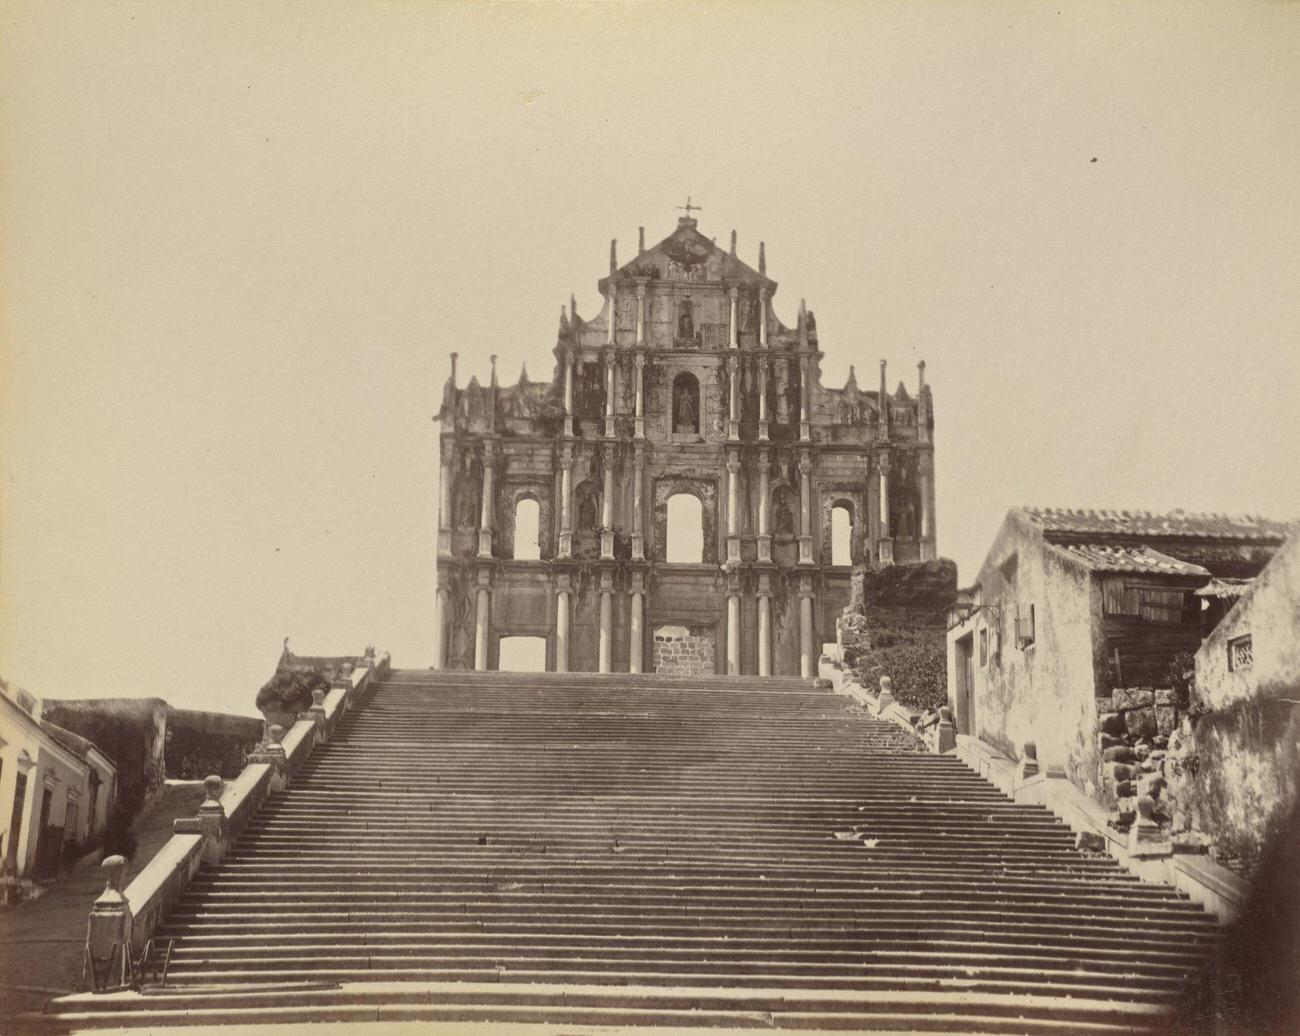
(665, 502)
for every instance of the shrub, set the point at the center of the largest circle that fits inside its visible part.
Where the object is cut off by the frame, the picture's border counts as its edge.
(289, 690)
(119, 839)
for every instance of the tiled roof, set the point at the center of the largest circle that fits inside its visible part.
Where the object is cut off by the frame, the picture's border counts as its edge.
(74, 743)
(1226, 589)
(1053, 520)
(1128, 559)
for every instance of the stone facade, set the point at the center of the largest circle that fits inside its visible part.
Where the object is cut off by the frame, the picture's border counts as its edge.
(684, 650)
(686, 383)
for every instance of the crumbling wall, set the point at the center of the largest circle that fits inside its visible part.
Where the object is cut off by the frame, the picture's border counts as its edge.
(203, 743)
(895, 625)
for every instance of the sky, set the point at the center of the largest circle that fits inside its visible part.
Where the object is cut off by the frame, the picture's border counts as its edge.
(239, 240)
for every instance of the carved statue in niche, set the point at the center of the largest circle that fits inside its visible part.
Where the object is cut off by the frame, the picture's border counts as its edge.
(783, 405)
(907, 519)
(468, 497)
(686, 403)
(587, 510)
(784, 523)
(686, 319)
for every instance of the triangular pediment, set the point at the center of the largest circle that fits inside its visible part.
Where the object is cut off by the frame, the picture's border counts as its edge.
(687, 255)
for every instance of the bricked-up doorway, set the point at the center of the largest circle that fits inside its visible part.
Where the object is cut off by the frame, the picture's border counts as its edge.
(685, 650)
(521, 654)
(964, 671)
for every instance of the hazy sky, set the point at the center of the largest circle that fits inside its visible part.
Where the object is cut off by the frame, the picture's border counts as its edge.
(239, 240)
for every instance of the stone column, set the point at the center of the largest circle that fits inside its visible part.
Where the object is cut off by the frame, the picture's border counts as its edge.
(611, 384)
(444, 502)
(764, 628)
(640, 313)
(562, 625)
(733, 340)
(885, 542)
(481, 620)
(485, 509)
(807, 661)
(764, 530)
(733, 507)
(607, 510)
(805, 401)
(606, 626)
(440, 629)
(805, 510)
(612, 294)
(762, 318)
(638, 522)
(636, 634)
(639, 418)
(566, 503)
(925, 488)
(762, 399)
(733, 397)
(733, 633)
(568, 392)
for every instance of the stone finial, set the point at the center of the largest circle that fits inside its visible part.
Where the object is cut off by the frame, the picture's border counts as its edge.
(886, 698)
(317, 697)
(762, 258)
(640, 240)
(213, 785)
(113, 868)
(454, 358)
(573, 309)
(920, 378)
(613, 255)
(493, 361)
(275, 733)
(733, 242)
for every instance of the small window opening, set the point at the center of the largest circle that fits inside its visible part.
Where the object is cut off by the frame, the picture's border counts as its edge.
(527, 543)
(841, 535)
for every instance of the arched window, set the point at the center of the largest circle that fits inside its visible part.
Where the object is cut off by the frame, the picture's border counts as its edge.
(685, 530)
(527, 543)
(841, 535)
(686, 403)
(521, 654)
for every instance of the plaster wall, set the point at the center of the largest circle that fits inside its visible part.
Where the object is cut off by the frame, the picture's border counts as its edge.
(1044, 692)
(1248, 742)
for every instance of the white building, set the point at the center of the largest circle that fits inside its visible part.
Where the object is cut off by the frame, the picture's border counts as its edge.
(56, 788)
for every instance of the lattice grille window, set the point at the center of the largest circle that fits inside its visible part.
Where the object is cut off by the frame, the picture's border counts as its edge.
(1240, 653)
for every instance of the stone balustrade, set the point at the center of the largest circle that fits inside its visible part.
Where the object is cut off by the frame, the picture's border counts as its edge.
(124, 920)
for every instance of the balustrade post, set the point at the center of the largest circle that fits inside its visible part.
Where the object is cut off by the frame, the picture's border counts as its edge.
(108, 933)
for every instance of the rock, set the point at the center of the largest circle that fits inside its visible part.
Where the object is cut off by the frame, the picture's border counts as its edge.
(1122, 772)
(1166, 719)
(1113, 723)
(1118, 754)
(1125, 790)
(1133, 697)
(1140, 722)
(1105, 703)
(1165, 696)
(1111, 741)
(1092, 841)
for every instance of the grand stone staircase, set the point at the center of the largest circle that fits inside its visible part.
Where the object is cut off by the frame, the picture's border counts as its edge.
(640, 850)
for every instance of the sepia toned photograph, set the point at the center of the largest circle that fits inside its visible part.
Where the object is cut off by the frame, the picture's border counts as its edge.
(647, 518)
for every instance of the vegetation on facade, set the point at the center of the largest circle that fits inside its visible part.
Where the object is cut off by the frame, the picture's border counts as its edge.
(289, 690)
(896, 626)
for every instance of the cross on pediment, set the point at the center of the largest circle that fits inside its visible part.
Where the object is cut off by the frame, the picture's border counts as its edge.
(688, 208)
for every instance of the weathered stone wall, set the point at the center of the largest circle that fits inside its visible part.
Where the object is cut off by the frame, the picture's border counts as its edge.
(894, 626)
(202, 743)
(685, 650)
(131, 731)
(1043, 692)
(1246, 733)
